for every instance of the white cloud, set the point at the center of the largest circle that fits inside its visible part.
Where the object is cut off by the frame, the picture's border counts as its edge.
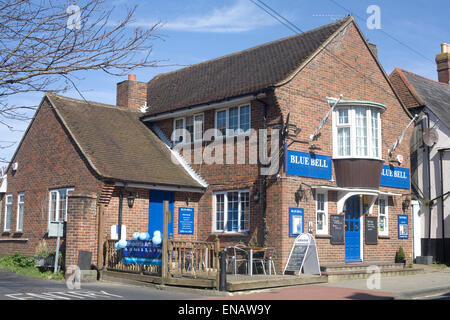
(242, 16)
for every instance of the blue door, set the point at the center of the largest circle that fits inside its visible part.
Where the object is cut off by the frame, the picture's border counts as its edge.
(352, 229)
(155, 211)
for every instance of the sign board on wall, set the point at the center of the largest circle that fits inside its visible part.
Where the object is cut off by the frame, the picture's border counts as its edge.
(395, 177)
(371, 230)
(308, 165)
(296, 224)
(402, 226)
(337, 229)
(186, 220)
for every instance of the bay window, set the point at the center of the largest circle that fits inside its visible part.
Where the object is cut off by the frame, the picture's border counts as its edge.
(233, 121)
(356, 132)
(232, 211)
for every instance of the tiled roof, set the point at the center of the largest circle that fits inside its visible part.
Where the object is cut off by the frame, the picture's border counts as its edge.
(118, 145)
(426, 92)
(236, 74)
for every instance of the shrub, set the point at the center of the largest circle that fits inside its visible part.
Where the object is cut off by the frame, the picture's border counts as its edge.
(17, 261)
(400, 255)
(42, 250)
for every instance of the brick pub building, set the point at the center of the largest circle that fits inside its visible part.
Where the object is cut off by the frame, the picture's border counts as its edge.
(78, 160)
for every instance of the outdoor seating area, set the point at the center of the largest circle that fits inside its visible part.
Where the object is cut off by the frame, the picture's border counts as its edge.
(242, 259)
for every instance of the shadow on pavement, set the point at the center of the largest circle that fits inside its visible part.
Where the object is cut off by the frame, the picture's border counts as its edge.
(367, 296)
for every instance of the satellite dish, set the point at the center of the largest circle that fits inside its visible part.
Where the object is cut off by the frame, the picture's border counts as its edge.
(430, 136)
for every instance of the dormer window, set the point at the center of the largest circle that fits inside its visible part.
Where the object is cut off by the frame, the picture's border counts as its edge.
(357, 130)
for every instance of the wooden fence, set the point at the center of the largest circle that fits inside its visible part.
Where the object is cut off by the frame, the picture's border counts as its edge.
(193, 263)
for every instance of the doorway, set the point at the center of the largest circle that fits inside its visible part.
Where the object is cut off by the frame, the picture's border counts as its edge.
(155, 211)
(352, 211)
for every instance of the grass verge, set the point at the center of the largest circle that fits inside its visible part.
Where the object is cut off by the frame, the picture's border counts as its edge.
(24, 265)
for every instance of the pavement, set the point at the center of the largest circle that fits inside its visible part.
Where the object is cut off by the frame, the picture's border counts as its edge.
(18, 287)
(433, 284)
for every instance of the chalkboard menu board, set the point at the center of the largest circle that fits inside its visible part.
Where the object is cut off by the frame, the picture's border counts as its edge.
(297, 257)
(371, 230)
(337, 229)
(303, 256)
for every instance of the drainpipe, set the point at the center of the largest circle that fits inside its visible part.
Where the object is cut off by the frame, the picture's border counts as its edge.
(429, 191)
(264, 191)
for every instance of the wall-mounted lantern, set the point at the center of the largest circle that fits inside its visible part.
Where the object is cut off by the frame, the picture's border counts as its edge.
(256, 195)
(406, 202)
(299, 194)
(130, 200)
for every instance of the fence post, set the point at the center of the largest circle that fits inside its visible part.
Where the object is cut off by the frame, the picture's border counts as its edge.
(217, 262)
(223, 271)
(107, 254)
(164, 265)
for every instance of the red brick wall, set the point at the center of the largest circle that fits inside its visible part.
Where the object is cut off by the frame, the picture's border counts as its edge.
(81, 232)
(47, 159)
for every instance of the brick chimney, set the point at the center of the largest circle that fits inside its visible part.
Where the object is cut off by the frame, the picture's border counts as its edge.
(131, 93)
(443, 63)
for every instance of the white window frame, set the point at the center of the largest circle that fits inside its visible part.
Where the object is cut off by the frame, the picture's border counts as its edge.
(18, 211)
(228, 132)
(386, 214)
(323, 231)
(352, 124)
(225, 211)
(193, 139)
(8, 196)
(57, 204)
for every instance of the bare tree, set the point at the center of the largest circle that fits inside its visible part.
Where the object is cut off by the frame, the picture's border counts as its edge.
(44, 43)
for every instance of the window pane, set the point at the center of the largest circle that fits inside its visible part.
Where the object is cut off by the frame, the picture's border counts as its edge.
(320, 219)
(233, 119)
(245, 211)
(62, 205)
(53, 199)
(221, 121)
(198, 127)
(343, 116)
(220, 209)
(20, 212)
(178, 126)
(245, 118)
(361, 132)
(375, 133)
(344, 141)
(233, 206)
(320, 202)
(382, 223)
(190, 129)
(8, 213)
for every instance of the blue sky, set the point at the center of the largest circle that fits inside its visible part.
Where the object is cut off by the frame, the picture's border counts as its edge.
(197, 30)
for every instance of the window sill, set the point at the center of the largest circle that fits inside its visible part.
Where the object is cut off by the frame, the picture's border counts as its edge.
(323, 236)
(384, 237)
(13, 239)
(230, 234)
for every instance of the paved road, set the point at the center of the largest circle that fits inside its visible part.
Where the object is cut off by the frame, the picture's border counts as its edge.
(18, 287)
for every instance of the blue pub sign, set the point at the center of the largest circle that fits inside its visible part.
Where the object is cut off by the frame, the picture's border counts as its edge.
(308, 165)
(395, 177)
(403, 226)
(186, 220)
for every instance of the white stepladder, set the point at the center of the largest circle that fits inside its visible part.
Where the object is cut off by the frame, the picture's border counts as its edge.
(304, 256)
